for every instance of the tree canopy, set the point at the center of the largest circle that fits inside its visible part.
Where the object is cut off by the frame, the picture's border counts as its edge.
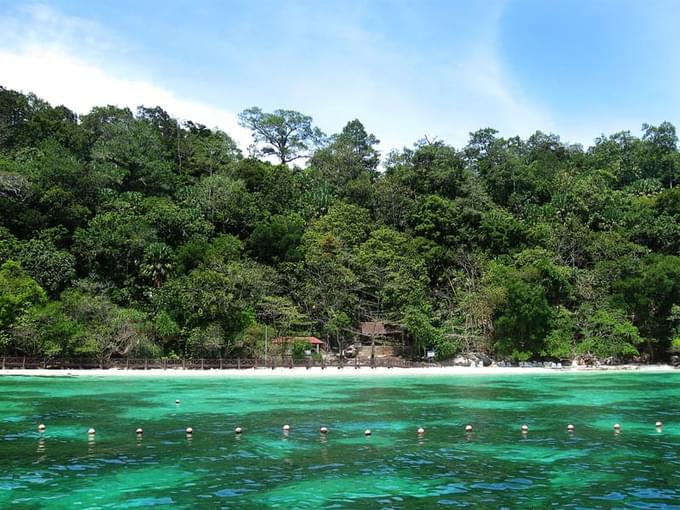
(130, 233)
(286, 134)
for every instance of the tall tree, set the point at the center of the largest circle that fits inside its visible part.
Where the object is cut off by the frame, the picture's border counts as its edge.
(349, 163)
(286, 134)
(661, 158)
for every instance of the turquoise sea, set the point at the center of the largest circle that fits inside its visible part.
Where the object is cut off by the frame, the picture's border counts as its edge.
(495, 466)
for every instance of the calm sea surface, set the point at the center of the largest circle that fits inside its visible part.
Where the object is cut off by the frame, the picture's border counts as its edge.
(493, 467)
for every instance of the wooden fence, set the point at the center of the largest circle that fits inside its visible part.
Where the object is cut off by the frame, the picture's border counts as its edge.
(8, 363)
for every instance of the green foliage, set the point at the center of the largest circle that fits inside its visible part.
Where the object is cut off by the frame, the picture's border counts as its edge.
(539, 267)
(609, 334)
(561, 341)
(522, 317)
(165, 331)
(393, 274)
(173, 223)
(501, 232)
(52, 268)
(210, 300)
(18, 291)
(48, 330)
(249, 343)
(445, 348)
(224, 202)
(675, 345)
(157, 263)
(649, 293)
(276, 239)
(110, 330)
(156, 237)
(348, 164)
(281, 313)
(419, 324)
(432, 168)
(206, 152)
(298, 349)
(205, 341)
(9, 245)
(439, 220)
(349, 224)
(131, 148)
(114, 241)
(286, 134)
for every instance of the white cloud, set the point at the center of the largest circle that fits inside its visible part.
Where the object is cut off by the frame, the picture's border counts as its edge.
(43, 62)
(403, 86)
(466, 92)
(401, 97)
(36, 22)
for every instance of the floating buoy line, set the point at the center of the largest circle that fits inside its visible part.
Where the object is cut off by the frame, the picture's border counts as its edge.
(420, 431)
(323, 430)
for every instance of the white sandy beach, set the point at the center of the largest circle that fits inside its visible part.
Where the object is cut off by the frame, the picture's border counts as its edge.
(334, 372)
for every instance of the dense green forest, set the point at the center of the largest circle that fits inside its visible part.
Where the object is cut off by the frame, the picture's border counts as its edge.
(132, 234)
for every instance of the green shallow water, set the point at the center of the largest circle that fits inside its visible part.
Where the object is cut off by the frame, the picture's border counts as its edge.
(493, 467)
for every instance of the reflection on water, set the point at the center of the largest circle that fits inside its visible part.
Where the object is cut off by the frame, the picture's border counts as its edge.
(492, 467)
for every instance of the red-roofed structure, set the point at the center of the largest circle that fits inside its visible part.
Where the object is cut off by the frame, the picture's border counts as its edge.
(311, 340)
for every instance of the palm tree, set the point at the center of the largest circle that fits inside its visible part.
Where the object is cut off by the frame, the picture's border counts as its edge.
(157, 264)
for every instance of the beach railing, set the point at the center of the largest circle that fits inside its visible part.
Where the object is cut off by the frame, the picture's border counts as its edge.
(25, 362)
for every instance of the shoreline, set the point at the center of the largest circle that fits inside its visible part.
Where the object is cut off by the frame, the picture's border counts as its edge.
(332, 372)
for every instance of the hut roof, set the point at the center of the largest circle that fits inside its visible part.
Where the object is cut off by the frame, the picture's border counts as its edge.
(373, 328)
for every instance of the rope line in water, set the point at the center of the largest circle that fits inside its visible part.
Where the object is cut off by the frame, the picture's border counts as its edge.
(139, 432)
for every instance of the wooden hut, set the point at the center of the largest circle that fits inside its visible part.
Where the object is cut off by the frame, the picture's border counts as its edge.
(286, 341)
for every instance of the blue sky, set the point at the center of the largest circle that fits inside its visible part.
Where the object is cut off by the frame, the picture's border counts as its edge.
(406, 69)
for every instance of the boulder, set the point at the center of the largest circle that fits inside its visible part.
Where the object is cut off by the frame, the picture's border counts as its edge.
(477, 357)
